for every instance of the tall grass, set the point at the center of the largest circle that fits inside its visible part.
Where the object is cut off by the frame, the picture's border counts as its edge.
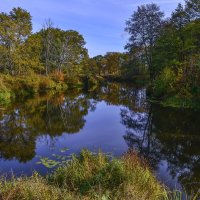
(89, 176)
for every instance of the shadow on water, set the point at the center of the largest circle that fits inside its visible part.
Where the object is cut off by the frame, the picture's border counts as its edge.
(168, 138)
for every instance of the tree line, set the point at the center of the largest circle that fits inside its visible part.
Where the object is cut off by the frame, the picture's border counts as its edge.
(49, 50)
(169, 48)
(165, 50)
(30, 63)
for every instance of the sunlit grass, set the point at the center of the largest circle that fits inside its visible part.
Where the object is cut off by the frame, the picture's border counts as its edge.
(91, 176)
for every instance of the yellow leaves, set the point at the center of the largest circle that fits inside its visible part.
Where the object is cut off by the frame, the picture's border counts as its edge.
(179, 75)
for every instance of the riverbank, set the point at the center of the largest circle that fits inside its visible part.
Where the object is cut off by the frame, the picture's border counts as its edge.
(175, 102)
(90, 176)
(12, 87)
(136, 79)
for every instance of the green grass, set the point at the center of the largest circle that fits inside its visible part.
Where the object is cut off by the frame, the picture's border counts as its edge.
(90, 176)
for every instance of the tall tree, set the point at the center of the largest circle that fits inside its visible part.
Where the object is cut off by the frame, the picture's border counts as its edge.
(179, 17)
(63, 51)
(74, 54)
(23, 24)
(144, 28)
(15, 28)
(193, 9)
(47, 42)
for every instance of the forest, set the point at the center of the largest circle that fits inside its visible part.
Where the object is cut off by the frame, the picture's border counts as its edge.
(164, 53)
(170, 50)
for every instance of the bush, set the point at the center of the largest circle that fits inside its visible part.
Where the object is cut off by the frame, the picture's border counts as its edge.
(88, 176)
(57, 76)
(91, 176)
(29, 85)
(5, 97)
(33, 188)
(5, 93)
(98, 175)
(164, 85)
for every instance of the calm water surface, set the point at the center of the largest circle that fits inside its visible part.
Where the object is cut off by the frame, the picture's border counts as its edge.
(114, 118)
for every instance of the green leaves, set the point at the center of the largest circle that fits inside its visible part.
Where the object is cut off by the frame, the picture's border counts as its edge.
(48, 162)
(58, 161)
(63, 150)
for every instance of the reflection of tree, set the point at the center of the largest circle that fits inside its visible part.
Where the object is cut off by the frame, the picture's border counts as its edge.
(16, 137)
(21, 124)
(157, 133)
(139, 134)
(178, 132)
(122, 94)
(167, 134)
(134, 115)
(66, 116)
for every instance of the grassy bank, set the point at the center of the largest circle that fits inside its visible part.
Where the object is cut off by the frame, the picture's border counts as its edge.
(12, 87)
(175, 102)
(89, 176)
(142, 79)
(85, 177)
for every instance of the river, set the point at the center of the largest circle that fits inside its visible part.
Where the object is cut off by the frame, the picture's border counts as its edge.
(114, 118)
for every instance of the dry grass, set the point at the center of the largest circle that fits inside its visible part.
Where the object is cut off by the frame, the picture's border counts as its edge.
(88, 177)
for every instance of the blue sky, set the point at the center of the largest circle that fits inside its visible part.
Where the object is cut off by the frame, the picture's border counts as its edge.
(101, 22)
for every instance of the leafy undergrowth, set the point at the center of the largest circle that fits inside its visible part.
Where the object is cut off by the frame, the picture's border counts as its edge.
(181, 103)
(175, 102)
(23, 86)
(5, 94)
(90, 176)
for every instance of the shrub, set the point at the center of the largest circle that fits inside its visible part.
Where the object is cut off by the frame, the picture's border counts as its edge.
(33, 188)
(5, 93)
(91, 176)
(164, 85)
(57, 76)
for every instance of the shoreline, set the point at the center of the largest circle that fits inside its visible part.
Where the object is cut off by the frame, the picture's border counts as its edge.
(91, 176)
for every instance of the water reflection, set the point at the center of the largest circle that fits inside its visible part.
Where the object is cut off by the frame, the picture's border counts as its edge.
(113, 117)
(178, 132)
(139, 135)
(22, 124)
(170, 135)
(160, 134)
